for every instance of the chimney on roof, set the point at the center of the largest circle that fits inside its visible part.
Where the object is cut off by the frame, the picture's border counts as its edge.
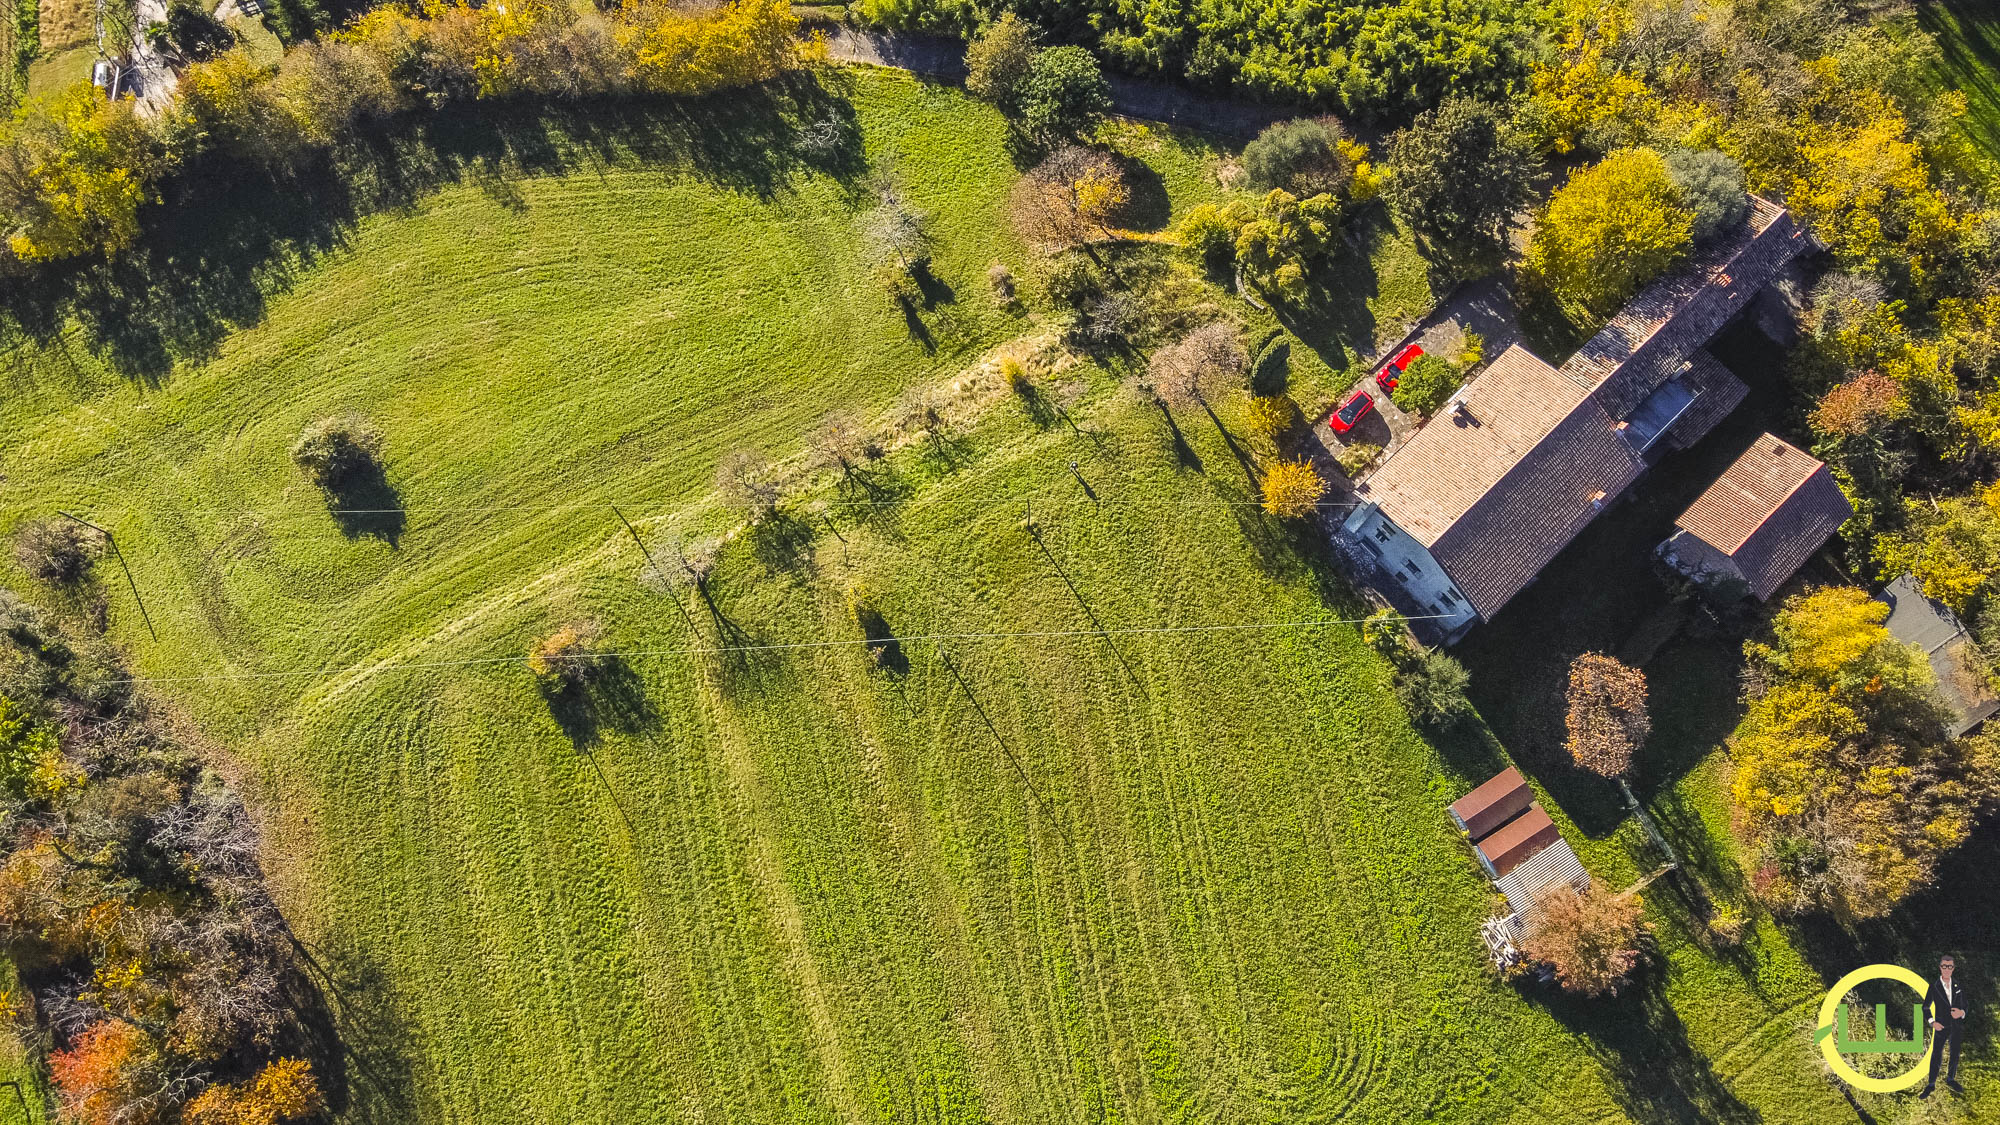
(1459, 410)
(1597, 500)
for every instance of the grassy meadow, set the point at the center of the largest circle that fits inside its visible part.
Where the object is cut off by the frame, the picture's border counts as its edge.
(1036, 865)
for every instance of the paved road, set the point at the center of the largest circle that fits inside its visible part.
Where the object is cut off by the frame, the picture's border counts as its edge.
(940, 57)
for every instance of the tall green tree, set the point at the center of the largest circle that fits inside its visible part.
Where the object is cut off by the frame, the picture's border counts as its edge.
(1064, 96)
(997, 63)
(1457, 176)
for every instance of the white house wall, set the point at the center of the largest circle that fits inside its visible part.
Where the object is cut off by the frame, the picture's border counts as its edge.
(1412, 565)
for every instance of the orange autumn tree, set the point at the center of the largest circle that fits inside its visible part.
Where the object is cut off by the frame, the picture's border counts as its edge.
(283, 1091)
(94, 1076)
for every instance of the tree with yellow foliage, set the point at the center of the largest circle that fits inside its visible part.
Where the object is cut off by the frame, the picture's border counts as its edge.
(1845, 781)
(1612, 228)
(74, 170)
(1292, 489)
(285, 1090)
(1071, 198)
(1951, 547)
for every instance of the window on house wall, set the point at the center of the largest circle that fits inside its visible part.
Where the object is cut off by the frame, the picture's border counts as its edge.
(1403, 578)
(1382, 533)
(1435, 611)
(1449, 600)
(1372, 548)
(1415, 570)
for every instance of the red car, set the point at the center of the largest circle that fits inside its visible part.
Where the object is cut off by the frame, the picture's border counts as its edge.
(1350, 412)
(1387, 378)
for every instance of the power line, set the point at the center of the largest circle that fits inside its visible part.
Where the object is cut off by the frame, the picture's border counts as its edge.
(1032, 634)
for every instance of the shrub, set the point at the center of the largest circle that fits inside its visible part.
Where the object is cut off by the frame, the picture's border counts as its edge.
(1279, 248)
(1014, 374)
(1431, 687)
(1207, 234)
(1069, 282)
(1064, 96)
(334, 450)
(1728, 925)
(567, 658)
(57, 550)
(1591, 939)
(1303, 156)
(285, 1090)
(998, 63)
(895, 279)
(1607, 719)
(1292, 489)
(1713, 187)
(883, 648)
(1612, 228)
(1425, 385)
(1271, 372)
(1355, 459)
(1001, 279)
(1270, 417)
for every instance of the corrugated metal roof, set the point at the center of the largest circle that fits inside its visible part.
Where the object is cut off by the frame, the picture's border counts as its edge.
(1917, 620)
(1555, 865)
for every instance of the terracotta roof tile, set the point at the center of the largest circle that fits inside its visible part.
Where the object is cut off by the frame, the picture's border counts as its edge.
(1769, 512)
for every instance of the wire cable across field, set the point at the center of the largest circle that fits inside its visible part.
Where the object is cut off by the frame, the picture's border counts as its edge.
(723, 650)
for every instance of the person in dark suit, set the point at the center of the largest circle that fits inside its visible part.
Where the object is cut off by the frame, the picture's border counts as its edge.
(1945, 1005)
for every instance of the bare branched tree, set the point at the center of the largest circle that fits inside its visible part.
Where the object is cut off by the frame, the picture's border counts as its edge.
(1201, 364)
(921, 414)
(838, 443)
(744, 480)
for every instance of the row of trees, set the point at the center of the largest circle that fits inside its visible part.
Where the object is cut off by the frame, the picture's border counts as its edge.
(154, 964)
(75, 170)
(1370, 60)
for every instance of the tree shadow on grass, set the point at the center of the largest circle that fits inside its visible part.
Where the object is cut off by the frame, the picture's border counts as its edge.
(1658, 1076)
(365, 505)
(1335, 318)
(1149, 208)
(883, 646)
(357, 1038)
(229, 235)
(613, 699)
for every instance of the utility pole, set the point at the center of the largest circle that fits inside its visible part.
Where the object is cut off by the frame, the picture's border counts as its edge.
(112, 540)
(665, 585)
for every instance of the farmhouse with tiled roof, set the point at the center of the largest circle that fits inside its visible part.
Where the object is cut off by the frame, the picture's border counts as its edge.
(1760, 521)
(1469, 511)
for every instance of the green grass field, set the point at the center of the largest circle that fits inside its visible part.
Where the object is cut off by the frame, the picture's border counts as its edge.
(1134, 877)
(1967, 34)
